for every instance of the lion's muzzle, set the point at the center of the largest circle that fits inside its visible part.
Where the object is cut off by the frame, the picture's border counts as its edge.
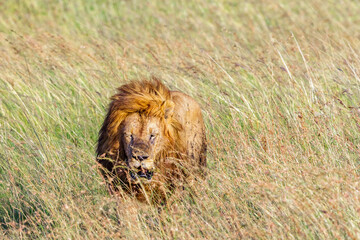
(143, 173)
(140, 163)
(141, 169)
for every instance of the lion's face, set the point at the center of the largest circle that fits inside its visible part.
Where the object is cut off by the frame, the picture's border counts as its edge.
(142, 141)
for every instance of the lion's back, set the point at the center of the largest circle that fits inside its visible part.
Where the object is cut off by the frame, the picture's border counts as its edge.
(188, 112)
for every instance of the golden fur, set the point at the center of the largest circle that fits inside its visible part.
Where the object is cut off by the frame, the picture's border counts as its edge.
(151, 99)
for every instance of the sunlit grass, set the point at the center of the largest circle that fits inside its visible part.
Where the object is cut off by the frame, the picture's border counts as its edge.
(279, 85)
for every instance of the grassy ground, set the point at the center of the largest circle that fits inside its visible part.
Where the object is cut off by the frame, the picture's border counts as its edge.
(279, 84)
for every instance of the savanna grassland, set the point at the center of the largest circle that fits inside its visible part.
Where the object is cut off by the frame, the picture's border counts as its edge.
(279, 85)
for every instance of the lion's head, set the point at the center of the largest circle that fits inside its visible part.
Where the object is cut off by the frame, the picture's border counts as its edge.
(138, 132)
(143, 138)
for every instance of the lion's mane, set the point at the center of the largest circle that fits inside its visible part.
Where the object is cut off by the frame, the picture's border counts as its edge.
(147, 97)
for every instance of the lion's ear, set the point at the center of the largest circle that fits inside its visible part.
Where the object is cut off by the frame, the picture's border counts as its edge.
(169, 109)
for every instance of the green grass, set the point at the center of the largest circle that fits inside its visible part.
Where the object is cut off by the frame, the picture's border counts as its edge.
(279, 85)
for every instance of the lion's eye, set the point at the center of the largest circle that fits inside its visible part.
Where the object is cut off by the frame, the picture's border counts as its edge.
(152, 136)
(129, 136)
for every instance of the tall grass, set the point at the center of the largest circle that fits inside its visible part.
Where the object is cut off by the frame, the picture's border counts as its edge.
(279, 85)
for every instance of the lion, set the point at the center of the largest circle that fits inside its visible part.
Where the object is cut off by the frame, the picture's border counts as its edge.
(151, 139)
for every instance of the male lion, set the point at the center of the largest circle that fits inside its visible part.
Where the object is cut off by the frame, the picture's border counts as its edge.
(151, 138)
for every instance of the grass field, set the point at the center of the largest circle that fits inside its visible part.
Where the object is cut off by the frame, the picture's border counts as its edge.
(279, 85)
